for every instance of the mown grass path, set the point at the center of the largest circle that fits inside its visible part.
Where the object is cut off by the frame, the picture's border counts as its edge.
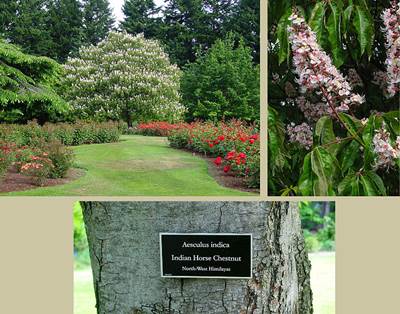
(137, 166)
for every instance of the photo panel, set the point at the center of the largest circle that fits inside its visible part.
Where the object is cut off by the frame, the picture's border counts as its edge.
(237, 257)
(333, 98)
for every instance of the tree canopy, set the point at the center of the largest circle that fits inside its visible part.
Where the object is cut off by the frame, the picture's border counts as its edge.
(26, 86)
(54, 28)
(223, 83)
(123, 77)
(188, 27)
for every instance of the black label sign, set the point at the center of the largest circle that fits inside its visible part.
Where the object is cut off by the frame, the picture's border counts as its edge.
(213, 255)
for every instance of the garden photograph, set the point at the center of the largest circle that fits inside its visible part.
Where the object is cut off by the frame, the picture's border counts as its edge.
(334, 98)
(129, 98)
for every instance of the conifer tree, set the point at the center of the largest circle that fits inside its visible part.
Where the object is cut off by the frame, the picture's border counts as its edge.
(8, 9)
(141, 17)
(66, 28)
(29, 28)
(97, 20)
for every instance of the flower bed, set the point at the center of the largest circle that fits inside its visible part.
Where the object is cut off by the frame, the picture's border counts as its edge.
(158, 128)
(42, 152)
(235, 145)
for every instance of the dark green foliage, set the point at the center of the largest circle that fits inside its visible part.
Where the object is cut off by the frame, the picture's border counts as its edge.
(29, 27)
(141, 17)
(65, 28)
(7, 15)
(26, 87)
(190, 27)
(222, 84)
(245, 21)
(55, 28)
(97, 20)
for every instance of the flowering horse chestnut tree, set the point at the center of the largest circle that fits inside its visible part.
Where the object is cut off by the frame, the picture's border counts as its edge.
(123, 77)
(334, 88)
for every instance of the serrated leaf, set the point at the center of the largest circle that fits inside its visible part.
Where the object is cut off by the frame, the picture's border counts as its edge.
(316, 20)
(345, 186)
(276, 138)
(324, 131)
(377, 180)
(334, 36)
(349, 156)
(306, 180)
(325, 167)
(282, 35)
(353, 126)
(368, 186)
(347, 13)
(364, 25)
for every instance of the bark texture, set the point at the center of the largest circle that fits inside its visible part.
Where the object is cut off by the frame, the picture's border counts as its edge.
(124, 248)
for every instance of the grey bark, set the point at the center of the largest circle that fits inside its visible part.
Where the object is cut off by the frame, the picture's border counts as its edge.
(124, 248)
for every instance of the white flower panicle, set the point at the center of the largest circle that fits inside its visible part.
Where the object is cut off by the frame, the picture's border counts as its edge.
(386, 153)
(315, 72)
(391, 20)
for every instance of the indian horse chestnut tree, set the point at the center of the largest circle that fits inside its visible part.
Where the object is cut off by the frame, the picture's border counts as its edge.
(123, 77)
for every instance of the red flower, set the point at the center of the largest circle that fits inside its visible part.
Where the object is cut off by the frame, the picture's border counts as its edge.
(242, 155)
(252, 140)
(218, 161)
(243, 139)
(254, 137)
(231, 155)
(221, 137)
(211, 145)
(227, 168)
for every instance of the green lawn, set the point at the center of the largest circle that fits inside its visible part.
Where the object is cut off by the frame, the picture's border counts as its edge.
(137, 166)
(322, 282)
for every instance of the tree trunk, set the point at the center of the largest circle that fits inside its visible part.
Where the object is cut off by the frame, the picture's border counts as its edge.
(124, 249)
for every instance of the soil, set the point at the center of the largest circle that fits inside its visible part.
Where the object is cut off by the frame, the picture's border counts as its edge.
(227, 180)
(14, 181)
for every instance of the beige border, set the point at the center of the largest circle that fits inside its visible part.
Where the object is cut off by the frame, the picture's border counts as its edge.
(36, 244)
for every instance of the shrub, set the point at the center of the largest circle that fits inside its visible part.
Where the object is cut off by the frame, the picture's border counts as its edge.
(6, 158)
(81, 132)
(39, 168)
(234, 144)
(158, 128)
(311, 242)
(62, 158)
(222, 84)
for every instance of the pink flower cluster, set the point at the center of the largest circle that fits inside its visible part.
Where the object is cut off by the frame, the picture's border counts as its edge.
(391, 20)
(385, 151)
(315, 70)
(312, 111)
(301, 134)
